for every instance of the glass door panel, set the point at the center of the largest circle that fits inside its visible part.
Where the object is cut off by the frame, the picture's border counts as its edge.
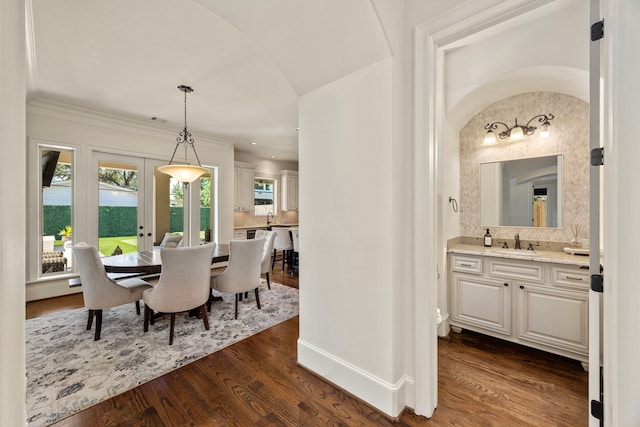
(166, 201)
(121, 222)
(206, 204)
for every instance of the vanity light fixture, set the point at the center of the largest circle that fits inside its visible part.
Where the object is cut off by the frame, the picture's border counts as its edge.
(185, 172)
(517, 132)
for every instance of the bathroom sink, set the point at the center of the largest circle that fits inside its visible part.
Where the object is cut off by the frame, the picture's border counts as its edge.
(517, 252)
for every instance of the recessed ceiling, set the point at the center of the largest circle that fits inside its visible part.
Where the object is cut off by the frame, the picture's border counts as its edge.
(247, 61)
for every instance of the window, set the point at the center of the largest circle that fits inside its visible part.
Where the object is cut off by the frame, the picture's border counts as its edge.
(56, 209)
(264, 196)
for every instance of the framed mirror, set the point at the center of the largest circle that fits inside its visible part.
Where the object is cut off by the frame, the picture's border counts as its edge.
(522, 192)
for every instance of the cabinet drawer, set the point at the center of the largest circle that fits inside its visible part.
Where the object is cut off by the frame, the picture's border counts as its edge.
(570, 277)
(529, 271)
(466, 263)
(240, 235)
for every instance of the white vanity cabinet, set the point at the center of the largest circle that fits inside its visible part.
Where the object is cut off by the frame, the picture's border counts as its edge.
(478, 300)
(556, 313)
(243, 186)
(540, 304)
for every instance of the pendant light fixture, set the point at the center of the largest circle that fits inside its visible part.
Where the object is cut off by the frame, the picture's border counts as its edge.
(185, 172)
(517, 132)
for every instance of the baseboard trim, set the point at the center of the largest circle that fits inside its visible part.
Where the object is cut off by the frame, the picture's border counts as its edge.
(383, 395)
(49, 289)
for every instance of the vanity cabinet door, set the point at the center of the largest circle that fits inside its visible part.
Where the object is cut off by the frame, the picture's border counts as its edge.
(557, 318)
(481, 302)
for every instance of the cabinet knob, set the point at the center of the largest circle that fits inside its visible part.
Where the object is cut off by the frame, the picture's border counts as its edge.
(521, 287)
(506, 284)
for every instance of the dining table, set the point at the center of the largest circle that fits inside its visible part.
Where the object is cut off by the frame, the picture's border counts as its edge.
(149, 262)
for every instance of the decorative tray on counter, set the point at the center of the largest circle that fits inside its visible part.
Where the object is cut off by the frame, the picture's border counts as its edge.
(577, 251)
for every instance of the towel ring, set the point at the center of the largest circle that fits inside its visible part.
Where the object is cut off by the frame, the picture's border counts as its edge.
(454, 203)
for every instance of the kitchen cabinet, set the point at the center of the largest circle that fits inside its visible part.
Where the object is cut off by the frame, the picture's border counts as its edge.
(539, 304)
(239, 234)
(243, 185)
(289, 194)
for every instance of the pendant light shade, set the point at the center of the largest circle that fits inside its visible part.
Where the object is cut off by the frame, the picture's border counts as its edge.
(185, 172)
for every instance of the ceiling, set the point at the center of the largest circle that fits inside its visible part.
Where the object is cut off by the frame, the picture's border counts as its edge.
(248, 61)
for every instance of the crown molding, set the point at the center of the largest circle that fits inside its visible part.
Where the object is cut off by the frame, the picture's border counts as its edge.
(73, 113)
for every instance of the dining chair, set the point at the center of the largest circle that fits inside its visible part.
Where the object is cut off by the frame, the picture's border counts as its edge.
(183, 284)
(282, 243)
(270, 238)
(243, 271)
(98, 290)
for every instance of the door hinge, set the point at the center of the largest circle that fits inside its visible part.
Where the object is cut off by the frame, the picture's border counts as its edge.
(597, 156)
(596, 409)
(597, 283)
(597, 31)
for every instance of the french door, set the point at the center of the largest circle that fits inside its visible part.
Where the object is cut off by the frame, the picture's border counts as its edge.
(123, 204)
(136, 204)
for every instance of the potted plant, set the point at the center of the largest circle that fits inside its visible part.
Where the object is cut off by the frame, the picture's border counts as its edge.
(65, 234)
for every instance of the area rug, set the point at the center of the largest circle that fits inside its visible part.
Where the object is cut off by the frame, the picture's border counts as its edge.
(68, 371)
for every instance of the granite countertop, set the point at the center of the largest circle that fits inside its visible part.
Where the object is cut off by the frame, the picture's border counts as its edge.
(263, 227)
(558, 257)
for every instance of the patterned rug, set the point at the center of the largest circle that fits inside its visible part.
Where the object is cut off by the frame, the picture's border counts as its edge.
(68, 371)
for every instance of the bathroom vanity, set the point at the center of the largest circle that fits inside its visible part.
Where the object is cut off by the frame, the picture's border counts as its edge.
(535, 298)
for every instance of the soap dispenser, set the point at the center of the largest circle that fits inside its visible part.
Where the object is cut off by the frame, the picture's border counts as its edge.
(487, 239)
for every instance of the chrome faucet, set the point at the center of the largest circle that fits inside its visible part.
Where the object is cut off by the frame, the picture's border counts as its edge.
(270, 213)
(517, 246)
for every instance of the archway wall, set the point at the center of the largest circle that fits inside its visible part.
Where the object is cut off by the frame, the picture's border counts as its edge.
(545, 51)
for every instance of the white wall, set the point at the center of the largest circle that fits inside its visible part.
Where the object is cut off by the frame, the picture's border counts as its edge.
(559, 39)
(89, 131)
(622, 225)
(265, 167)
(12, 212)
(346, 285)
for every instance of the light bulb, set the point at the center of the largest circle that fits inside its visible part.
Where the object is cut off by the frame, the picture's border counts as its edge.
(544, 132)
(489, 139)
(516, 134)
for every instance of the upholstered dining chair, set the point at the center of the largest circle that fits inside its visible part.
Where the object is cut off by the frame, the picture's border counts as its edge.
(183, 284)
(282, 243)
(98, 290)
(243, 270)
(270, 238)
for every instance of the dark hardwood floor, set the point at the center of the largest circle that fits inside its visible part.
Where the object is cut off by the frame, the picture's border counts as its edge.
(482, 382)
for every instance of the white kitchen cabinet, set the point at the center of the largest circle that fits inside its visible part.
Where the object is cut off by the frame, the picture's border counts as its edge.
(244, 179)
(534, 303)
(239, 234)
(289, 190)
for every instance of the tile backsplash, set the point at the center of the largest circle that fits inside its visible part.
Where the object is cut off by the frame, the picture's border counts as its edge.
(248, 219)
(569, 136)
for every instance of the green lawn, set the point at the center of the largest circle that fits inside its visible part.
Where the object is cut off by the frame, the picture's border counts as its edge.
(106, 245)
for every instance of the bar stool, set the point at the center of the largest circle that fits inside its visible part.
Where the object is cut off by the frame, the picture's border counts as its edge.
(282, 243)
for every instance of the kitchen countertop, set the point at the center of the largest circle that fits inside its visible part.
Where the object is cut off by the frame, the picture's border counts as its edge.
(557, 257)
(263, 227)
